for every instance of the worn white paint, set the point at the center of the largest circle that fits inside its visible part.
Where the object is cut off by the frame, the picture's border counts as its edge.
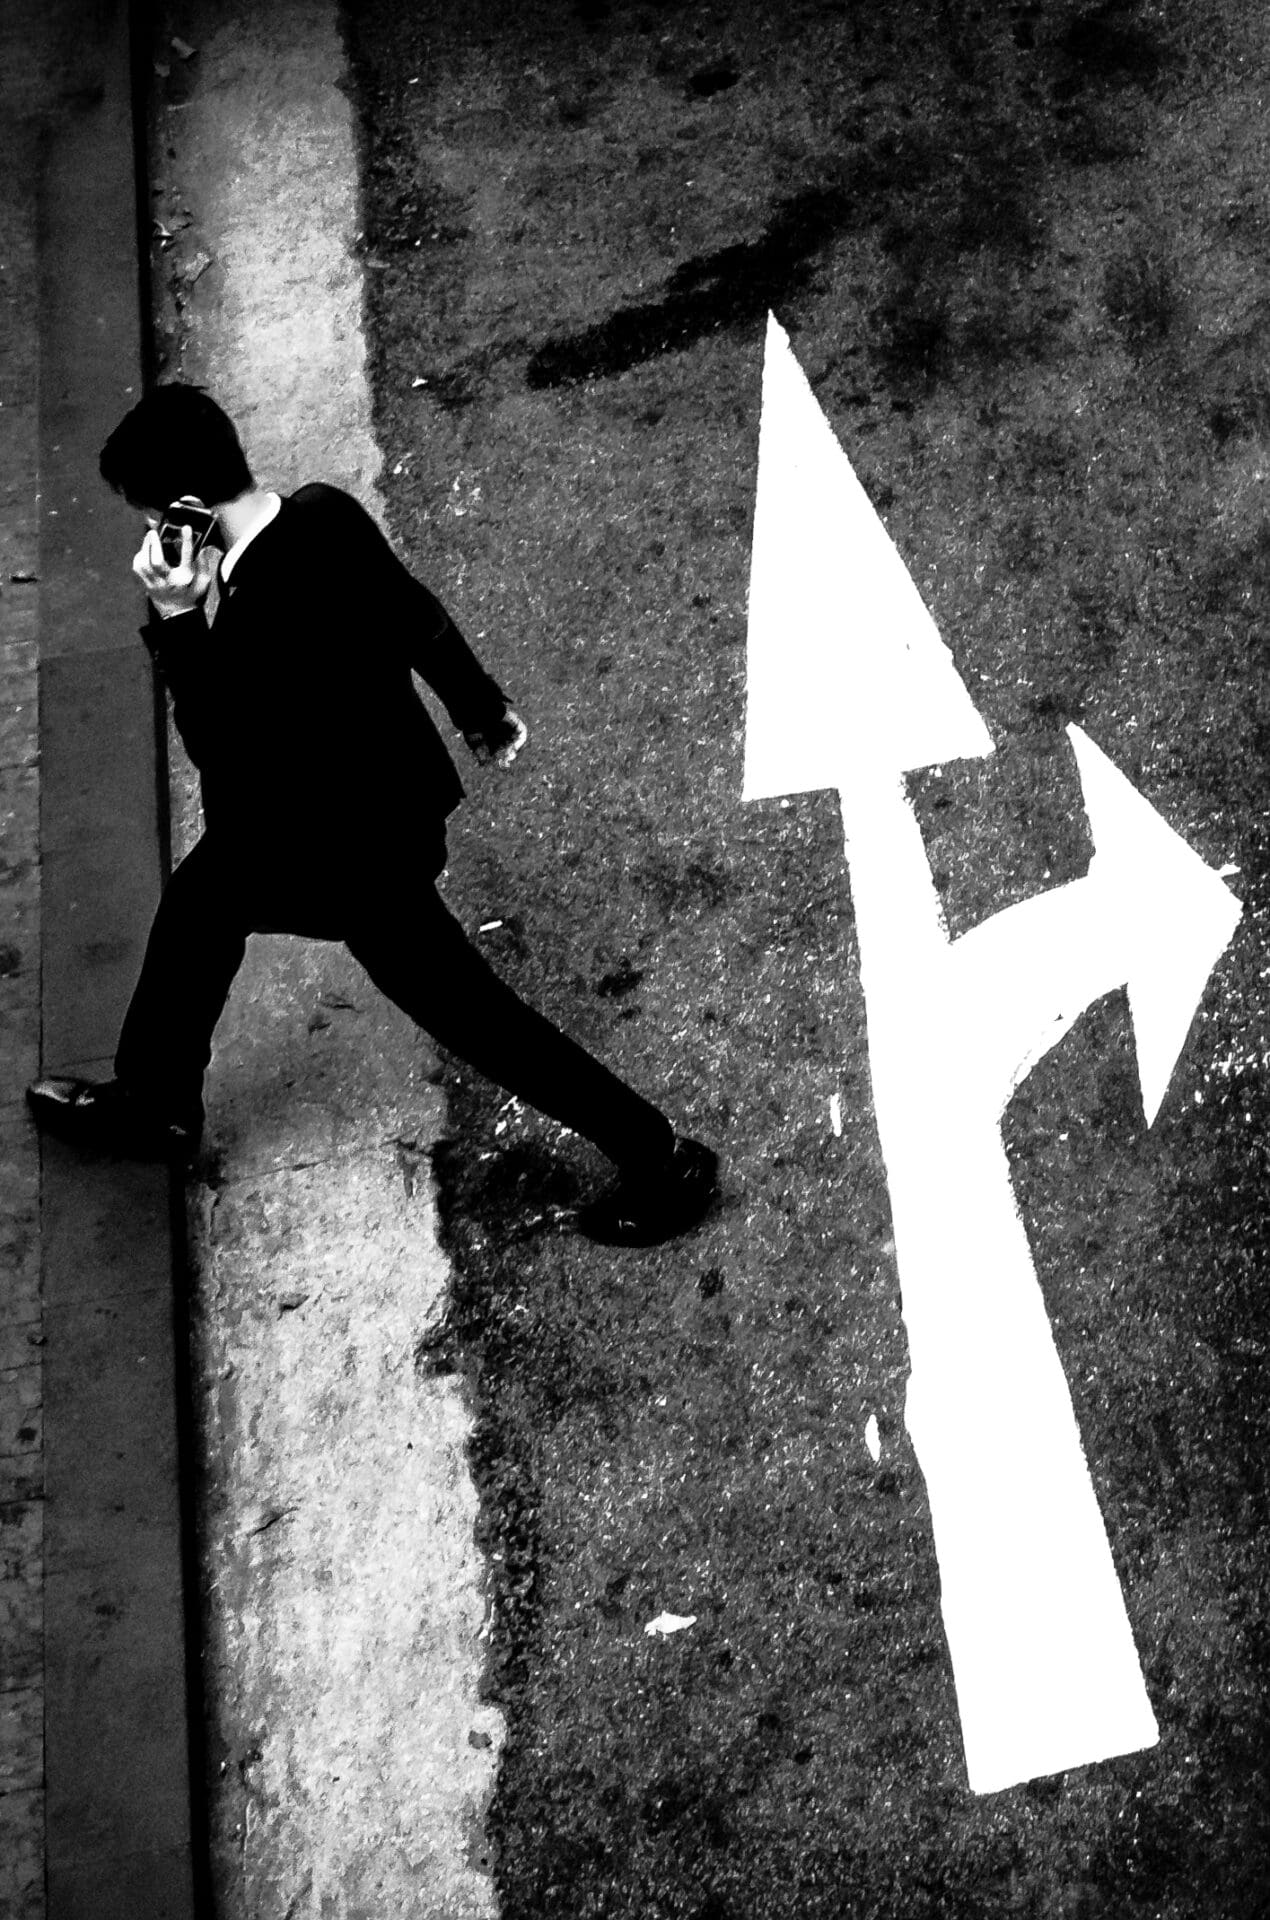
(347, 1608)
(850, 686)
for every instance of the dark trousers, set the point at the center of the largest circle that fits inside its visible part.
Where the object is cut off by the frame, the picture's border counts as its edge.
(414, 950)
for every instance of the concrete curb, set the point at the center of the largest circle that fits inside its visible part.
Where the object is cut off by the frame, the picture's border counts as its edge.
(107, 1826)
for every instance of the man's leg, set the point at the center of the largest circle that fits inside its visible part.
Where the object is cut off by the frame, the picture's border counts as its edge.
(196, 946)
(423, 960)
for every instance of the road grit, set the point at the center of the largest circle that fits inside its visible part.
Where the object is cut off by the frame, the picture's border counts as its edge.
(351, 1758)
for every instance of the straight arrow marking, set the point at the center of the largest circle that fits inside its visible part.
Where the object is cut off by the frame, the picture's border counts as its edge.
(850, 686)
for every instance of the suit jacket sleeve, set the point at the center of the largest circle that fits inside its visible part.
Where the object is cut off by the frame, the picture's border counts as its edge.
(180, 648)
(435, 648)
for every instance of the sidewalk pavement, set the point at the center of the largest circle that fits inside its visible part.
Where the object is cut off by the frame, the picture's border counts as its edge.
(95, 1803)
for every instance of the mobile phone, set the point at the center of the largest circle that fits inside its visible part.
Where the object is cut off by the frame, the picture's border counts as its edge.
(182, 514)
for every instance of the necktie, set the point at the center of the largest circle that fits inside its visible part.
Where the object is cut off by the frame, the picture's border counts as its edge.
(214, 595)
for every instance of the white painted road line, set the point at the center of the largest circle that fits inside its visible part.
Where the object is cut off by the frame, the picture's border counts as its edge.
(346, 1645)
(850, 686)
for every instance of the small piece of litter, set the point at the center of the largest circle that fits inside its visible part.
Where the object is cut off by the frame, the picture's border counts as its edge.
(183, 48)
(418, 381)
(260, 1519)
(1224, 873)
(872, 1438)
(671, 1623)
(489, 926)
(835, 1115)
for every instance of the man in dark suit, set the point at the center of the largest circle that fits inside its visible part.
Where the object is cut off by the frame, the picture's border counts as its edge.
(288, 643)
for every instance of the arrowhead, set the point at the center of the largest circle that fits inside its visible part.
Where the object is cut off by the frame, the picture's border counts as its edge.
(1172, 916)
(846, 668)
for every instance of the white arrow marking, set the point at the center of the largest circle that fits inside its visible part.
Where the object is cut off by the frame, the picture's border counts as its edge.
(850, 686)
(1148, 914)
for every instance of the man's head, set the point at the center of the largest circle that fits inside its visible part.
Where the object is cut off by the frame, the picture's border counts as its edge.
(176, 442)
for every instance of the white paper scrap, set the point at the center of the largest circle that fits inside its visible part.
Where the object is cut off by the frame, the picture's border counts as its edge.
(872, 1438)
(835, 1114)
(671, 1623)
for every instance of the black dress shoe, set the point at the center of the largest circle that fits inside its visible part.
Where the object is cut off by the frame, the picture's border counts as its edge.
(107, 1116)
(646, 1208)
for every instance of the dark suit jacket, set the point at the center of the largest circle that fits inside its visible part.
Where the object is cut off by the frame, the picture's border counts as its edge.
(298, 707)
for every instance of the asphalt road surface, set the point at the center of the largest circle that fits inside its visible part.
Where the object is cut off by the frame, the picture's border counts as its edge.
(1019, 253)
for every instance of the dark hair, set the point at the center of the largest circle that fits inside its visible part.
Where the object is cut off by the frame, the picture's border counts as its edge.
(175, 441)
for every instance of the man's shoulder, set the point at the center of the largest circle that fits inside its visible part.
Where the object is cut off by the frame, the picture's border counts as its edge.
(318, 498)
(320, 512)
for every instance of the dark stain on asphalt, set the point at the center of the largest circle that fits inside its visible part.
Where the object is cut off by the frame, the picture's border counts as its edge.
(673, 883)
(623, 979)
(1106, 48)
(731, 287)
(707, 81)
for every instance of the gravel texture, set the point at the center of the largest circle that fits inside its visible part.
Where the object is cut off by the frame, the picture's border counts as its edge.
(1020, 252)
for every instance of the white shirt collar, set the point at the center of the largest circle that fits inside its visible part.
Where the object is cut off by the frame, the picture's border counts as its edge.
(267, 514)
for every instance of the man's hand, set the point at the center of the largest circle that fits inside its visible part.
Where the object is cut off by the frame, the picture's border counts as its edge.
(179, 588)
(501, 742)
